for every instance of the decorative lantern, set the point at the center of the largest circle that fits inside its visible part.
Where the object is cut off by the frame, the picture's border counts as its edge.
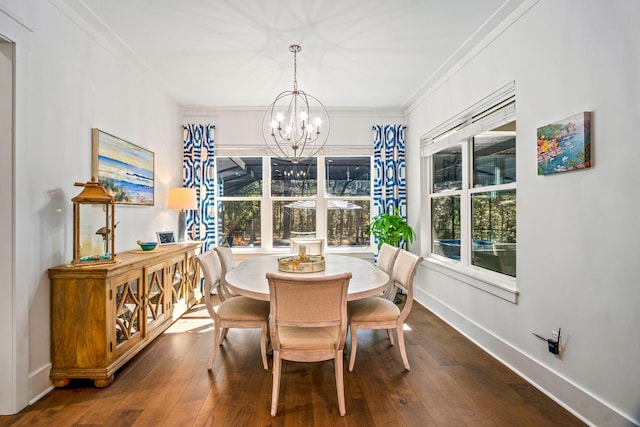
(93, 225)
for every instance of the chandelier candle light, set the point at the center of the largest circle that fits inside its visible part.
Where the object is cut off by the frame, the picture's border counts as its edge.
(296, 124)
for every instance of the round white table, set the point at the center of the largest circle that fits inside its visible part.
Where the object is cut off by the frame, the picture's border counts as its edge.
(249, 277)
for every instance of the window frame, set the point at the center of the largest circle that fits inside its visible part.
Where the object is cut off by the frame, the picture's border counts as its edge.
(321, 199)
(495, 110)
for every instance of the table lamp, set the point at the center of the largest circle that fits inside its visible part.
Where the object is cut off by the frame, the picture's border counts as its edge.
(182, 198)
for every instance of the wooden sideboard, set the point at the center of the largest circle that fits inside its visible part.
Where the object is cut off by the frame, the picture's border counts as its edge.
(103, 315)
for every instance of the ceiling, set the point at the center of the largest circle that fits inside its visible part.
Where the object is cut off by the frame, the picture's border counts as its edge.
(235, 53)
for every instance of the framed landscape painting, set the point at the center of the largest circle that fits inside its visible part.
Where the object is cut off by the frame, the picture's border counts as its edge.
(124, 169)
(565, 145)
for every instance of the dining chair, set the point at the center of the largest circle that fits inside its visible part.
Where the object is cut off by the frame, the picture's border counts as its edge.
(314, 246)
(227, 262)
(381, 313)
(236, 312)
(386, 258)
(308, 324)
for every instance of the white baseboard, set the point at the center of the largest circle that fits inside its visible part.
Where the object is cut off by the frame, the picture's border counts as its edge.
(40, 383)
(579, 402)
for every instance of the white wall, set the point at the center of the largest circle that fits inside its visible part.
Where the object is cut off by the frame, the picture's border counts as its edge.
(6, 214)
(578, 232)
(240, 129)
(75, 83)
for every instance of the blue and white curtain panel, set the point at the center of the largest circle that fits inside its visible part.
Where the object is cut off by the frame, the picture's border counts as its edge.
(389, 170)
(198, 171)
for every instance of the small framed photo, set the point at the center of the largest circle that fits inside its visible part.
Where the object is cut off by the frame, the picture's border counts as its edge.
(166, 237)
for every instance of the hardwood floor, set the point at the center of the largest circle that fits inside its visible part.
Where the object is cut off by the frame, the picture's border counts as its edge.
(452, 382)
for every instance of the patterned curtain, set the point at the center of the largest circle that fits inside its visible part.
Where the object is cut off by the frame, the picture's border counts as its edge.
(389, 170)
(198, 171)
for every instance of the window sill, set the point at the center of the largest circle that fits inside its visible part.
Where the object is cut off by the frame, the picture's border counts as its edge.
(241, 253)
(503, 287)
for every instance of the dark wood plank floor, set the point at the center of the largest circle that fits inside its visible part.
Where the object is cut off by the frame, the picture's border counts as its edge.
(452, 382)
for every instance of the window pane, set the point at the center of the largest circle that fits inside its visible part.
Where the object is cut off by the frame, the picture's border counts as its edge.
(494, 231)
(294, 179)
(240, 222)
(348, 176)
(239, 176)
(447, 169)
(348, 223)
(494, 157)
(293, 219)
(445, 226)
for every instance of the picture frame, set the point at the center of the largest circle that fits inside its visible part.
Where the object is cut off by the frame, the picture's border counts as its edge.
(124, 169)
(565, 145)
(166, 237)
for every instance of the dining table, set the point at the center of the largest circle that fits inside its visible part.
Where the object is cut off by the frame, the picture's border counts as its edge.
(249, 278)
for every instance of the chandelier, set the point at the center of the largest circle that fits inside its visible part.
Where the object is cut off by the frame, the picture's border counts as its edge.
(296, 125)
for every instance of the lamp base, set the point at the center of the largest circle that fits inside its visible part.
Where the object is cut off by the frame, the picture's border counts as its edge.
(182, 226)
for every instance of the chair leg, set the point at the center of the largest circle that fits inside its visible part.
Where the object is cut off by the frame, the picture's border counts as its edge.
(354, 347)
(224, 334)
(390, 335)
(403, 350)
(216, 342)
(275, 391)
(263, 347)
(339, 368)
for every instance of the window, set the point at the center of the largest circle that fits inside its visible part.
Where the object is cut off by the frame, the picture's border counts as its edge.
(470, 165)
(324, 197)
(294, 190)
(348, 194)
(239, 183)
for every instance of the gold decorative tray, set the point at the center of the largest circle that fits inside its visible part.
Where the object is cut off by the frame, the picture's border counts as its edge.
(293, 264)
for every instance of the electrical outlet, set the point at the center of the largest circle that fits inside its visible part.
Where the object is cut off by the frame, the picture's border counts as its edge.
(554, 342)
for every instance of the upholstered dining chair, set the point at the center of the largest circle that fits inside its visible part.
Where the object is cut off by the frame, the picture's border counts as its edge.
(386, 258)
(314, 246)
(308, 324)
(236, 312)
(227, 263)
(381, 313)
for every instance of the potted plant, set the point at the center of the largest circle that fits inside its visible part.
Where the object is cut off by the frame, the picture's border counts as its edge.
(391, 229)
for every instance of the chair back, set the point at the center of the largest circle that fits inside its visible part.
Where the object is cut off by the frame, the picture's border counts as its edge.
(211, 270)
(227, 264)
(308, 302)
(404, 270)
(386, 258)
(314, 246)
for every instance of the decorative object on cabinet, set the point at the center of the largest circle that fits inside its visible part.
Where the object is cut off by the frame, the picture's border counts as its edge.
(166, 237)
(147, 246)
(565, 145)
(93, 225)
(103, 315)
(123, 168)
(182, 198)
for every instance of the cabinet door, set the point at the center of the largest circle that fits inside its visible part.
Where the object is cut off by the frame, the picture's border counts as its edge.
(155, 296)
(192, 278)
(175, 275)
(128, 311)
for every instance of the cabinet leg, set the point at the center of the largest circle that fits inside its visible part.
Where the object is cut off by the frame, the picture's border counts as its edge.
(103, 382)
(61, 382)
